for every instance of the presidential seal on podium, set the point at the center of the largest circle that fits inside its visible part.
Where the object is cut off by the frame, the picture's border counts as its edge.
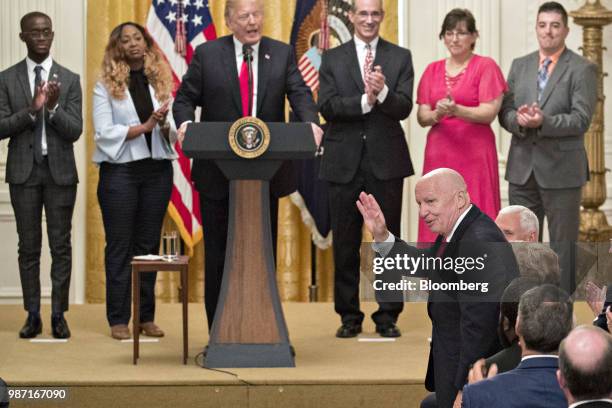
(249, 137)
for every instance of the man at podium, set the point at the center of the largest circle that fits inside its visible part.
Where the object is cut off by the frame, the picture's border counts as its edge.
(243, 74)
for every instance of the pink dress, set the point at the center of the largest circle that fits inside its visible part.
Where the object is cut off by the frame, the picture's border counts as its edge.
(466, 147)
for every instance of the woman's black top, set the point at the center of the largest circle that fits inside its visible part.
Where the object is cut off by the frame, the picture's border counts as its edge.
(139, 91)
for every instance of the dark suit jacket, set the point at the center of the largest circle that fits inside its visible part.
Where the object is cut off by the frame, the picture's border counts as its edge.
(340, 103)
(507, 359)
(532, 384)
(555, 153)
(464, 324)
(63, 129)
(212, 83)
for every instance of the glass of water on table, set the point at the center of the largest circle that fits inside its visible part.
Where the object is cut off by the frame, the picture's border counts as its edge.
(170, 246)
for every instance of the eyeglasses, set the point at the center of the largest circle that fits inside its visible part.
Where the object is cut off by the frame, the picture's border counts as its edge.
(460, 34)
(39, 33)
(244, 17)
(363, 15)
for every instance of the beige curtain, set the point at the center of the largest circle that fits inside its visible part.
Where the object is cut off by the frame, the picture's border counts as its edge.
(294, 260)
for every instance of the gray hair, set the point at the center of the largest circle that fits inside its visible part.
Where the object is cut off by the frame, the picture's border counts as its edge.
(537, 261)
(545, 318)
(529, 221)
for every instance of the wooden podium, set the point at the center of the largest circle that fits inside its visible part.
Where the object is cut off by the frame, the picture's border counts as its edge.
(249, 328)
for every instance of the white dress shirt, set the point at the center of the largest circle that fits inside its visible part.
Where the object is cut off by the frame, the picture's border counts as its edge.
(44, 76)
(578, 403)
(254, 66)
(362, 51)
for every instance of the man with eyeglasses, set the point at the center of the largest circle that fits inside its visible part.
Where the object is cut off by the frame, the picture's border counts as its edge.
(40, 114)
(552, 97)
(366, 90)
(218, 81)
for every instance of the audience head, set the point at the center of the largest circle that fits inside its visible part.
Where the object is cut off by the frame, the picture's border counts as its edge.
(509, 308)
(37, 34)
(518, 223)
(459, 31)
(537, 261)
(551, 27)
(130, 46)
(544, 319)
(585, 364)
(442, 197)
(366, 16)
(245, 19)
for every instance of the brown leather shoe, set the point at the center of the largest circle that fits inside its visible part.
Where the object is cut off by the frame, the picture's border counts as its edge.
(151, 329)
(120, 332)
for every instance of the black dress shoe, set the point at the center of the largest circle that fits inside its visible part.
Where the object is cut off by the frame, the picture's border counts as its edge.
(388, 330)
(32, 326)
(348, 330)
(60, 327)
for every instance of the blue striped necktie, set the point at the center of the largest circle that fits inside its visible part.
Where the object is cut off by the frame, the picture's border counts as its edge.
(543, 77)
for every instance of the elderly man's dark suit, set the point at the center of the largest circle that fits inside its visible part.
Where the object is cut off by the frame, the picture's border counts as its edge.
(51, 185)
(464, 324)
(363, 152)
(548, 166)
(211, 82)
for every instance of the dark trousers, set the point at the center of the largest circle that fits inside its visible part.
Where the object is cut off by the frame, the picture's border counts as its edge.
(133, 198)
(562, 210)
(28, 200)
(215, 219)
(346, 224)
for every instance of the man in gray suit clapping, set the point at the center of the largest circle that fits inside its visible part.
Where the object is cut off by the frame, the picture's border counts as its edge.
(548, 109)
(40, 114)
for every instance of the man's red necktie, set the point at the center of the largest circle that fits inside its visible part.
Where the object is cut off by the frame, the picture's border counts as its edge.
(244, 88)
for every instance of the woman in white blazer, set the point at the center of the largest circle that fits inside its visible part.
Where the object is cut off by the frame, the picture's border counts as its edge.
(134, 139)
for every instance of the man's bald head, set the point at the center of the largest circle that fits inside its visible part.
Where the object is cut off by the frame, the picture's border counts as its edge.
(585, 364)
(449, 180)
(442, 197)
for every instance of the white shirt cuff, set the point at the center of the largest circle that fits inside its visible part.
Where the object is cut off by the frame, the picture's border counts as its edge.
(383, 248)
(383, 94)
(365, 106)
(52, 111)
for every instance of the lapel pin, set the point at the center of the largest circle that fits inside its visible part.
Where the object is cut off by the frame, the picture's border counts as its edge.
(267, 56)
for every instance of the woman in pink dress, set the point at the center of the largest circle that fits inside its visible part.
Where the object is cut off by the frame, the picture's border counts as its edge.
(458, 98)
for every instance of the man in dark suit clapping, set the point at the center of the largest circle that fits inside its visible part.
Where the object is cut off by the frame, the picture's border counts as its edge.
(544, 319)
(40, 114)
(366, 90)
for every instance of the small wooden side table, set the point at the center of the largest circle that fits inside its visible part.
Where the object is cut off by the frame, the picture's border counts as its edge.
(181, 264)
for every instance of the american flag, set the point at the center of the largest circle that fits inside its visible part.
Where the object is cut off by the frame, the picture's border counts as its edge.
(310, 62)
(178, 27)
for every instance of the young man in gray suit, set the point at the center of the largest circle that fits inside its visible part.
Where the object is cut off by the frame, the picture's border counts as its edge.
(40, 114)
(548, 109)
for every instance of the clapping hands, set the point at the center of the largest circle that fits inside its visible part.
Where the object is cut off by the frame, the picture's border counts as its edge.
(46, 93)
(446, 107)
(530, 116)
(374, 84)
